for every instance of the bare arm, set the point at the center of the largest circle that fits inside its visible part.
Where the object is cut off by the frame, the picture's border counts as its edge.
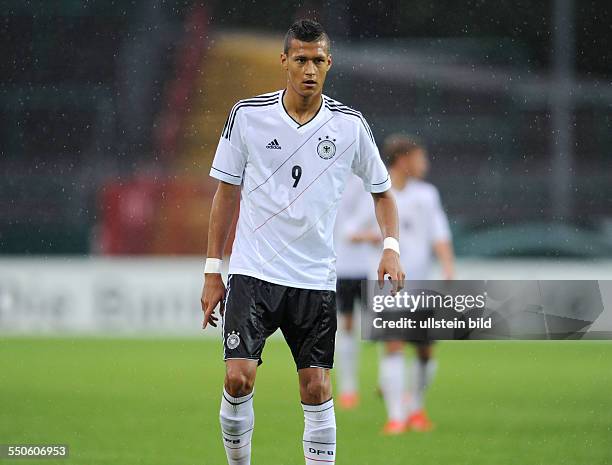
(222, 213)
(386, 215)
(444, 252)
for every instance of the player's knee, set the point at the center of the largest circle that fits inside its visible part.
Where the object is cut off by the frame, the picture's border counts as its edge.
(316, 390)
(424, 352)
(348, 323)
(394, 347)
(238, 383)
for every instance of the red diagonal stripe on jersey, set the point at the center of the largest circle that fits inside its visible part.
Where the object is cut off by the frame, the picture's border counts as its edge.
(278, 252)
(306, 188)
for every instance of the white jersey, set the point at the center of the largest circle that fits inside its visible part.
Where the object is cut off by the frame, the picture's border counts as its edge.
(355, 215)
(422, 223)
(292, 177)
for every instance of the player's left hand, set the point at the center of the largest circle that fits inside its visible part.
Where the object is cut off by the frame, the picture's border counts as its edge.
(213, 293)
(390, 266)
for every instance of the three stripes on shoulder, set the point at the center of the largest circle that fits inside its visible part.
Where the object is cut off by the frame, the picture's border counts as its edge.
(263, 100)
(273, 98)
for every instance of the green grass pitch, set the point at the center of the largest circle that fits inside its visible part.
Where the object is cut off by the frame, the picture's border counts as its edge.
(156, 402)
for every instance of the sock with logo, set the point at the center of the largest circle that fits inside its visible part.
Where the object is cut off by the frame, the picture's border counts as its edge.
(392, 368)
(237, 422)
(423, 372)
(319, 433)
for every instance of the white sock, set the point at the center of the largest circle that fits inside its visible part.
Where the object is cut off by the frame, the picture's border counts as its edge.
(422, 375)
(319, 433)
(237, 422)
(347, 362)
(392, 368)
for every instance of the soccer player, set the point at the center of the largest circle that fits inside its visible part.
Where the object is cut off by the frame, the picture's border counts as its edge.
(354, 263)
(285, 157)
(423, 229)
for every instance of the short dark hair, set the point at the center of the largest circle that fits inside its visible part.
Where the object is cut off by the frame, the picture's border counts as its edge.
(397, 145)
(306, 30)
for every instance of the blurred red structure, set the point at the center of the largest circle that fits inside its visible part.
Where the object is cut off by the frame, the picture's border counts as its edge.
(178, 92)
(148, 216)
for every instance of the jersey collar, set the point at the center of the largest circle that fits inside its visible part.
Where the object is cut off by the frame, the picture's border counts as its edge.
(293, 123)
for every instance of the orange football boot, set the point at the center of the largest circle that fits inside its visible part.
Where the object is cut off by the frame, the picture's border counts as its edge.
(349, 400)
(418, 421)
(394, 427)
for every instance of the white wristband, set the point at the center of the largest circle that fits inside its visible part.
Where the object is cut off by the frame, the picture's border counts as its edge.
(213, 265)
(391, 243)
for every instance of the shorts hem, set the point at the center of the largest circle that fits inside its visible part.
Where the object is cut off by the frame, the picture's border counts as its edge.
(280, 282)
(324, 366)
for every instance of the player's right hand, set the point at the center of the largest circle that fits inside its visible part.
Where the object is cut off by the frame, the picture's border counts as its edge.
(213, 294)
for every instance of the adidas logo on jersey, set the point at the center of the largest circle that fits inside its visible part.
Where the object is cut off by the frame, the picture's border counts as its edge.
(273, 145)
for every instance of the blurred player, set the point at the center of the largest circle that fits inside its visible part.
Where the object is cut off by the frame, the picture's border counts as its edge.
(285, 156)
(356, 258)
(423, 229)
